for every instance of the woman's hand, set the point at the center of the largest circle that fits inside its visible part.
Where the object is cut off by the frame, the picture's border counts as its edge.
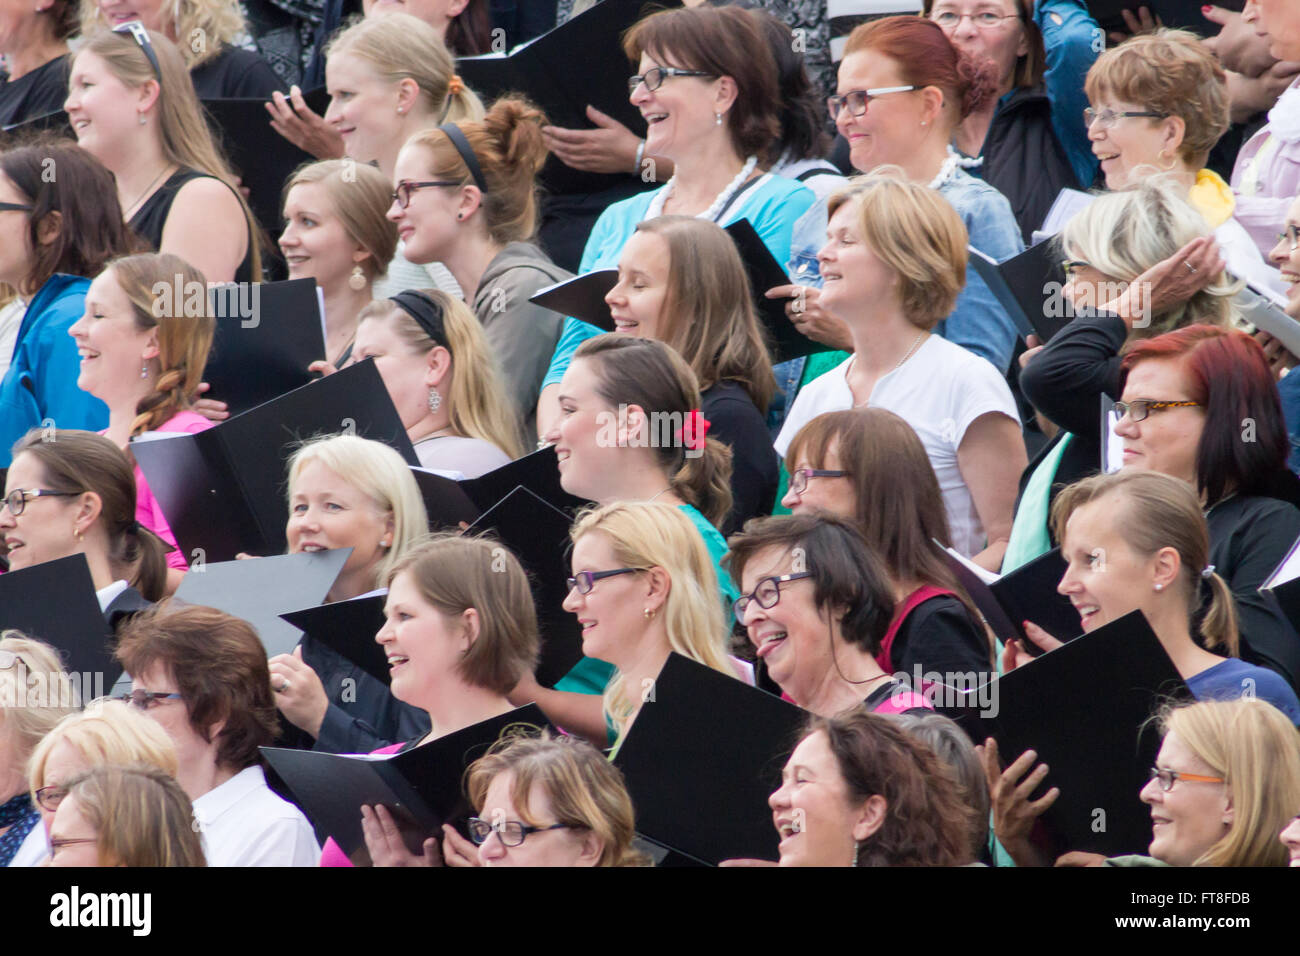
(298, 691)
(209, 408)
(323, 367)
(1033, 345)
(1168, 282)
(1013, 812)
(525, 692)
(1014, 654)
(1080, 858)
(293, 119)
(456, 850)
(609, 148)
(1144, 22)
(1239, 48)
(385, 843)
(810, 318)
(743, 862)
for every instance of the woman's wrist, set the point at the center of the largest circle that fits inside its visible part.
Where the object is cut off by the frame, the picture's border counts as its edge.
(640, 155)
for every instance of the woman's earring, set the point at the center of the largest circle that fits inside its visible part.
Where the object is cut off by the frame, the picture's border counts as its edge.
(435, 400)
(649, 613)
(357, 281)
(77, 531)
(144, 370)
(143, 121)
(857, 847)
(1160, 587)
(717, 119)
(1172, 160)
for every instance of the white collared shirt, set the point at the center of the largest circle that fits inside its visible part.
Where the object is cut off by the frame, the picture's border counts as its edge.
(243, 823)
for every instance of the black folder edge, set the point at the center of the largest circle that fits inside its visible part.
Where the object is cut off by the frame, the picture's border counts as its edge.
(361, 649)
(582, 297)
(1027, 311)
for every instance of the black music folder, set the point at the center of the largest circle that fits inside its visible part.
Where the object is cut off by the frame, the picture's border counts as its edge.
(224, 490)
(348, 627)
(55, 602)
(422, 787)
(1029, 287)
(449, 502)
(1026, 594)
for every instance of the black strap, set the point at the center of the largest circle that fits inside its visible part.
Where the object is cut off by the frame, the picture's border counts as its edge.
(426, 313)
(744, 188)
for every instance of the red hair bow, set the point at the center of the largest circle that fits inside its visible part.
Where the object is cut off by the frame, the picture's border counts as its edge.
(692, 432)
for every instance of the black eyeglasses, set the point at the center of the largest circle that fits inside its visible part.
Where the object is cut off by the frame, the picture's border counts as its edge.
(14, 207)
(858, 100)
(799, 480)
(767, 593)
(1071, 266)
(1291, 234)
(1168, 778)
(141, 36)
(16, 500)
(144, 699)
(511, 832)
(584, 581)
(1107, 118)
(49, 798)
(654, 78)
(1139, 409)
(402, 194)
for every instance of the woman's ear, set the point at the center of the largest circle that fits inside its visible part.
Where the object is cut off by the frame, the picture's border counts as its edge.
(593, 847)
(438, 366)
(1165, 567)
(470, 624)
(89, 507)
(1175, 129)
(632, 423)
(456, 7)
(48, 229)
(725, 95)
(147, 95)
(151, 347)
(470, 200)
(871, 817)
(932, 99)
(408, 94)
(659, 584)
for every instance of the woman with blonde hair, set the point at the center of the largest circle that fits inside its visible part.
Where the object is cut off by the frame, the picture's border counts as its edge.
(106, 733)
(894, 264)
(132, 105)
(465, 196)
(643, 586)
(347, 492)
(443, 379)
(138, 815)
(143, 354)
(206, 33)
(681, 281)
(35, 694)
(460, 632)
(549, 783)
(335, 232)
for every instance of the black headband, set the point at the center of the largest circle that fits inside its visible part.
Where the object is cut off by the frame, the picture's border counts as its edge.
(466, 153)
(425, 312)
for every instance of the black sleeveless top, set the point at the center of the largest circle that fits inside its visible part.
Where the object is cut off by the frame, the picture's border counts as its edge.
(149, 220)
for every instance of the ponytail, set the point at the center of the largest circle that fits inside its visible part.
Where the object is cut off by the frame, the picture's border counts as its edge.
(1219, 628)
(147, 554)
(705, 482)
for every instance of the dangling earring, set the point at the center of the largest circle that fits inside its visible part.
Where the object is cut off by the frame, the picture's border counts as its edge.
(357, 281)
(77, 531)
(144, 370)
(717, 119)
(435, 400)
(1172, 160)
(143, 121)
(857, 846)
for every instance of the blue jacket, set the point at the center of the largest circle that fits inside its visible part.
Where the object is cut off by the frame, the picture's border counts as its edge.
(40, 388)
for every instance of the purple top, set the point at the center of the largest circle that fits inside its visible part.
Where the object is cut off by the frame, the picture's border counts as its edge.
(1266, 177)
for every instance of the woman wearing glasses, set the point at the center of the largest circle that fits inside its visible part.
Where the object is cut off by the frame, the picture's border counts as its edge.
(205, 32)
(125, 816)
(1285, 254)
(34, 45)
(202, 675)
(682, 282)
(869, 467)
(55, 233)
(1028, 135)
(643, 586)
(461, 630)
(1226, 781)
(465, 197)
(707, 86)
(24, 720)
(144, 358)
(132, 105)
(1158, 104)
(73, 492)
(903, 88)
(817, 605)
(1142, 241)
(893, 266)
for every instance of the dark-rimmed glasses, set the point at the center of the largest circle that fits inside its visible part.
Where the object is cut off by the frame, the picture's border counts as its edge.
(144, 699)
(1071, 266)
(1167, 778)
(584, 581)
(511, 832)
(16, 500)
(766, 593)
(1139, 409)
(141, 36)
(858, 100)
(14, 207)
(402, 194)
(1107, 118)
(654, 78)
(799, 479)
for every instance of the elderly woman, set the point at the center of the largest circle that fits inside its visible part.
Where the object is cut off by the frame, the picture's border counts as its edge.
(202, 675)
(1159, 103)
(34, 45)
(36, 695)
(125, 816)
(817, 604)
(893, 267)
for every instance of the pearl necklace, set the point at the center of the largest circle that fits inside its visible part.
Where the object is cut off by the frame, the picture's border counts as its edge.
(946, 170)
(656, 207)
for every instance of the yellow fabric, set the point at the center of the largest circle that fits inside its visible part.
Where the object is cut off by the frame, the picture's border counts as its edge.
(1212, 198)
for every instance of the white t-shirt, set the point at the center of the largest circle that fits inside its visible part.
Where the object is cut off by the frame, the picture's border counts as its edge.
(243, 823)
(939, 391)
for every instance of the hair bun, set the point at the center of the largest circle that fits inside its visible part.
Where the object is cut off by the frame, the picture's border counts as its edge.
(516, 125)
(981, 83)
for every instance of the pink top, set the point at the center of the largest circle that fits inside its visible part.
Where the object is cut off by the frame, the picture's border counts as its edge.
(1266, 176)
(332, 854)
(147, 510)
